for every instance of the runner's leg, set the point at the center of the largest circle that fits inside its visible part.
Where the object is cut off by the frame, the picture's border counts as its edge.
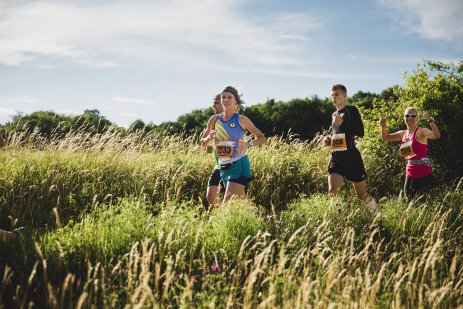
(361, 191)
(334, 183)
(6, 234)
(211, 194)
(213, 186)
(234, 189)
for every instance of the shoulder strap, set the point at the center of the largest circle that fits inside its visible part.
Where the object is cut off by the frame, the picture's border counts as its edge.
(238, 120)
(414, 135)
(216, 117)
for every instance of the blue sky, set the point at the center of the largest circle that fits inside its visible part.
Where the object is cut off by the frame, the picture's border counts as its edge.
(155, 60)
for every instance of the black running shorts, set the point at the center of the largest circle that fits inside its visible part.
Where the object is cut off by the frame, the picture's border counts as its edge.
(214, 179)
(349, 164)
(418, 186)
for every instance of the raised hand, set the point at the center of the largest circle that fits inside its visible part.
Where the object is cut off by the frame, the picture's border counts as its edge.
(382, 121)
(212, 134)
(427, 117)
(327, 140)
(337, 118)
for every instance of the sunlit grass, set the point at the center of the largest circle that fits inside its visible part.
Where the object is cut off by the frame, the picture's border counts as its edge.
(117, 221)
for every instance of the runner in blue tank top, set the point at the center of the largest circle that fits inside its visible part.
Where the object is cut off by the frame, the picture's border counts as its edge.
(227, 131)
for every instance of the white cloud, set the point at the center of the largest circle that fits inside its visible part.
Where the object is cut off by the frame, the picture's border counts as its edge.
(44, 66)
(308, 73)
(183, 32)
(7, 111)
(133, 100)
(432, 19)
(24, 99)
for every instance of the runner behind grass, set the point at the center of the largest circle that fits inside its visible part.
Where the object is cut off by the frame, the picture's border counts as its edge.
(346, 161)
(414, 149)
(15, 234)
(214, 183)
(227, 130)
(5, 235)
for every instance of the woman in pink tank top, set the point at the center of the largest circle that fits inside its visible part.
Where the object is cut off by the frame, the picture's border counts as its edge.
(414, 149)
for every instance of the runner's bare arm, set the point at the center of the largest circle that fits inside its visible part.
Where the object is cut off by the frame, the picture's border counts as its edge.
(385, 136)
(393, 137)
(430, 134)
(209, 133)
(434, 133)
(247, 124)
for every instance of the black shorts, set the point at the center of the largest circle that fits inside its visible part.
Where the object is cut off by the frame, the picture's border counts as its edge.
(243, 180)
(214, 179)
(348, 164)
(418, 186)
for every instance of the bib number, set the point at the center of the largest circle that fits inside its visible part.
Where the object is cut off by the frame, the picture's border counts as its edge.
(225, 150)
(406, 150)
(338, 142)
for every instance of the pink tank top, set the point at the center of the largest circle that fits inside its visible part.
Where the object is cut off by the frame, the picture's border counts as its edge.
(421, 152)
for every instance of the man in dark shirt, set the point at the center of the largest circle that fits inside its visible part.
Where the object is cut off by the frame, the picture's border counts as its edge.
(346, 161)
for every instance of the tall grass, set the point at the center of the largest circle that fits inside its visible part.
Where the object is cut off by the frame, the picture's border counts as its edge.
(328, 258)
(118, 220)
(72, 173)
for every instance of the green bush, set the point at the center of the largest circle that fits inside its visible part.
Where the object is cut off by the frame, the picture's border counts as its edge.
(436, 88)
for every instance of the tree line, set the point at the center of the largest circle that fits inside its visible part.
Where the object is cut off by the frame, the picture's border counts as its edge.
(435, 87)
(301, 117)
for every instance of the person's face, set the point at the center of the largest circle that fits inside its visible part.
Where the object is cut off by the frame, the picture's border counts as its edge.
(228, 101)
(338, 97)
(217, 105)
(410, 117)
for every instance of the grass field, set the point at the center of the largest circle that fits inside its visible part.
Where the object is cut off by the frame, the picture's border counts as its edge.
(115, 221)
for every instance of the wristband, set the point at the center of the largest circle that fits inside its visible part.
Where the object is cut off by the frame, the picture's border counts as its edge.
(431, 121)
(250, 143)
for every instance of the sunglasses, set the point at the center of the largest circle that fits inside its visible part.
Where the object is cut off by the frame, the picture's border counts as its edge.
(410, 115)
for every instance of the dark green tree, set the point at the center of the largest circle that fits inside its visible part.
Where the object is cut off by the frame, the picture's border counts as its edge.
(90, 121)
(194, 122)
(137, 125)
(45, 122)
(303, 117)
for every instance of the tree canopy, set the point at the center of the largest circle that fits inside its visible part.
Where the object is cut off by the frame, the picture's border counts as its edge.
(435, 87)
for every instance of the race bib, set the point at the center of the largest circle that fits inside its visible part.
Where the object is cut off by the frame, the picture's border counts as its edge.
(225, 150)
(338, 142)
(406, 150)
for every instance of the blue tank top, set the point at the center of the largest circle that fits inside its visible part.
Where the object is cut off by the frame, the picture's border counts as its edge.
(228, 134)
